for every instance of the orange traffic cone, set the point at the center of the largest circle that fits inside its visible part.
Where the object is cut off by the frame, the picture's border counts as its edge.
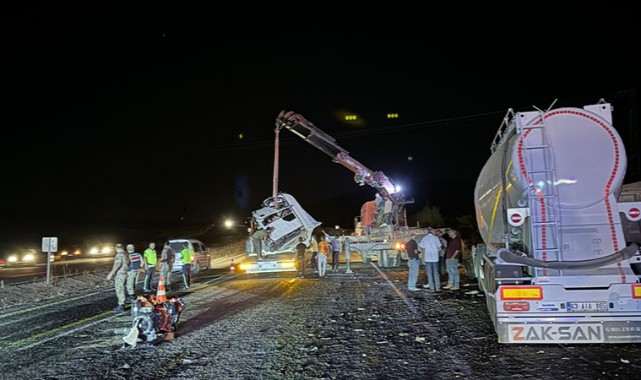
(232, 267)
(161, 296)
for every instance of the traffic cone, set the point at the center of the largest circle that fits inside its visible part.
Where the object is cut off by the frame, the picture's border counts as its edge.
(232, 267)
(161, 296)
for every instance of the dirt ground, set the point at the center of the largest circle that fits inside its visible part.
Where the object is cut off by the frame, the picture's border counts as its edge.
(38, 290)
(364, 325)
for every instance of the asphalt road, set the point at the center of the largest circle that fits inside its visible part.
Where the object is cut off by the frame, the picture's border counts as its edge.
(17, 274)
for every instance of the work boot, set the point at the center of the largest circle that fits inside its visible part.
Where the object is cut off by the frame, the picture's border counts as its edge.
(119, 309)
(128, 300)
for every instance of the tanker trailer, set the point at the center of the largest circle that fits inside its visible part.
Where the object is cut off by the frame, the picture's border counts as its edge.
(556, 265)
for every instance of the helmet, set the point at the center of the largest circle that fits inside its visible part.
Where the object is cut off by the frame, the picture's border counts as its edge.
(130, 248)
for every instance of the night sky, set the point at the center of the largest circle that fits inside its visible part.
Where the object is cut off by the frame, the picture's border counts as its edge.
(132, 115)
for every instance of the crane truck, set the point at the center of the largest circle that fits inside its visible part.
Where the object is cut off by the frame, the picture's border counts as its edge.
(383, 241)
(560, 259)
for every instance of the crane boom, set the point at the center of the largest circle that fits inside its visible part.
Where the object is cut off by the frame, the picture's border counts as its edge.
(306, 130)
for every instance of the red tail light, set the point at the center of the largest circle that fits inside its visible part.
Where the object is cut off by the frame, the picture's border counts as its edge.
(516, 306)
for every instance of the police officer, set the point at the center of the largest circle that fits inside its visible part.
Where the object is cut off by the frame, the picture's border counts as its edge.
(186, 256)
(132, 272)
(151, 258)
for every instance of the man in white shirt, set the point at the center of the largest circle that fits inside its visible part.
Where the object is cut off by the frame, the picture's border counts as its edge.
(430, 246)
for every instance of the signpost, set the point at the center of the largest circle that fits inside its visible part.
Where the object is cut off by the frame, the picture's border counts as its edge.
(49, 244)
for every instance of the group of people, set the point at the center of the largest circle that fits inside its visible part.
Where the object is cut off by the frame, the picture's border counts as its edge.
(128, 264)
(321, 251)
(435, 252)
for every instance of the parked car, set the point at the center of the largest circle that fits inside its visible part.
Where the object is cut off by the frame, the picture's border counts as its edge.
(202, 260)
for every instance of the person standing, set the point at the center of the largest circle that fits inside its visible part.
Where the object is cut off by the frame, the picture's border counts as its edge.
(411, 248)
(258, 238)
(379, 202)
(453, 256)
(324, 249)
(300, 257)
(150, 258)
(336, 251)
(313, 245)
(430, 246)
(132, 272)
(348, 253)
(441, 253)
(167, 258)
(186, 256)
(387, 212)
(119, 269)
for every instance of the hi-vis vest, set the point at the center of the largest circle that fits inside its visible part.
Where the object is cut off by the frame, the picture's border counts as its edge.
(186, 255)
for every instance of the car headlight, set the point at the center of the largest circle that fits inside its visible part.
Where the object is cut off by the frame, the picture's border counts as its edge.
(12, 259)
(93, 251)
(64, 253)
(28, 257)
(106, 250)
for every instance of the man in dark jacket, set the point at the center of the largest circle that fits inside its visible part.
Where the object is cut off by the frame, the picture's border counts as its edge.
(167, 258)
(300, 257)
(411, 247)
(453, 256)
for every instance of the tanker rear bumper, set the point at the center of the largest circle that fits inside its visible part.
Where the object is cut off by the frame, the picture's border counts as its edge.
(564, 330)
(552, 314)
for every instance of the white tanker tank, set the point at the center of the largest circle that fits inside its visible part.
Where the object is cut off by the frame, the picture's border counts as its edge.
(557, 265)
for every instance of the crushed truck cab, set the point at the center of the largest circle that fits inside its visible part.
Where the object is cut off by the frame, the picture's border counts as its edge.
(288, 221)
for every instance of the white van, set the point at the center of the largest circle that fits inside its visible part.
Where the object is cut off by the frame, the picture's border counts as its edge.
(201, 254)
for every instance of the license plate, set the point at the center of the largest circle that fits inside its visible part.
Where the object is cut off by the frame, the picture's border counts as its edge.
(556, 333)
(587, 307)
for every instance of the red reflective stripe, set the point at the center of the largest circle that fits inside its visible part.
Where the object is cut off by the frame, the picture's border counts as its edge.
(607, 189)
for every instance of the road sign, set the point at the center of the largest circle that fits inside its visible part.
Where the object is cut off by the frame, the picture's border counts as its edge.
(634, 212)
(516, 216)
(49, 244)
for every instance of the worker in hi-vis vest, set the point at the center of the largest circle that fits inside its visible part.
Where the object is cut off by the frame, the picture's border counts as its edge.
(186, 256)
(151, 258)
